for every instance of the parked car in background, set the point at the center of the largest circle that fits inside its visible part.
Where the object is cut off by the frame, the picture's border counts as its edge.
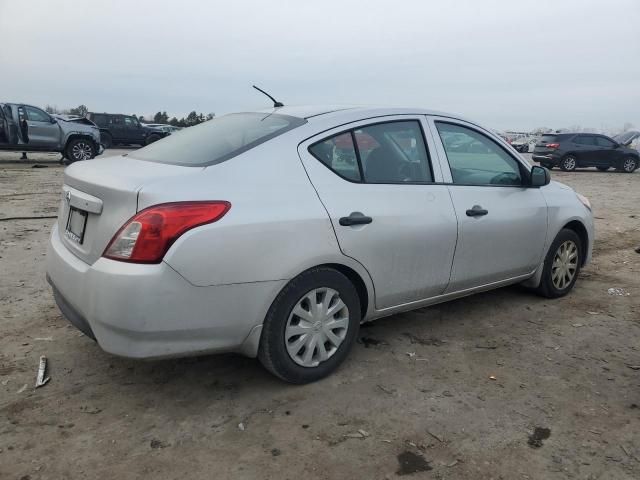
(163, 126)
(573, 150)
(118, 129)
(276, 233)
(25, 128)
(524, 144)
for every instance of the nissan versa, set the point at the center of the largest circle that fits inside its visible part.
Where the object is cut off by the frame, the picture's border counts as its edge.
(276, 233)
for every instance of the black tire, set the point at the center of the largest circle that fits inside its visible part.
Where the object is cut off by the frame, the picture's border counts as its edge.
(106, 140)
(569, 163)
(547, 288)
(273, 353)
(80, 149)
(602, 168)
(152, 138)
(628, 165)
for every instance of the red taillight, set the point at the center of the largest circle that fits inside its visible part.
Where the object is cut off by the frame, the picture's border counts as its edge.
(552, 145)
(147, 236)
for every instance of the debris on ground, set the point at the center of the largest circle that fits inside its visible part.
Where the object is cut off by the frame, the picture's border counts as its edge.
(39, 165)
(368, 341)
(90, 410)
(158, 444)
(539, 434)
(388, 391)
(412, 463)
(42, 370)
(411, 354)
(492, 377)
(23, 388)
(620, 292)
(634, 367)
(431, 341)
(437, 437)
(241, 427)
(276, 452)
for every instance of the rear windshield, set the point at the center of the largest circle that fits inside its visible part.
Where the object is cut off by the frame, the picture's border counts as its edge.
(217, 140)
(548, 138)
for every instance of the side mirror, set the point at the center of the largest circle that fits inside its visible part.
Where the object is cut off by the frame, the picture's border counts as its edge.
(52, 120)
(540, 177)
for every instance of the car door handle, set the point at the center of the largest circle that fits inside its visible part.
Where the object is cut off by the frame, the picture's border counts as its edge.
(356, 218)
(476, 211)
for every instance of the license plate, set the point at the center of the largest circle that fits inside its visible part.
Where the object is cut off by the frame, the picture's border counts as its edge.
(76, 224)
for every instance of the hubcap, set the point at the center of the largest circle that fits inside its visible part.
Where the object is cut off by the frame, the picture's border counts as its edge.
(565, 265)
(629, 164)
(570, 163)
(316, 327)
(81, 151)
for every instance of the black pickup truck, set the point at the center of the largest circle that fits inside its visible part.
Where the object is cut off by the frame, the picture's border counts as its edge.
(116, 128)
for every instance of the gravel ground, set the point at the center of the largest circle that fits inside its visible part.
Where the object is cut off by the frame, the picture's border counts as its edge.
(500, 385)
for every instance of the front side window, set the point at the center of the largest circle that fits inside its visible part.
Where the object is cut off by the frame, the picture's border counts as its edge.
(36, 115)
(217, 140)
(475, 159)
(391, 152)
(130, 122)
(604, 142)
(584, 140)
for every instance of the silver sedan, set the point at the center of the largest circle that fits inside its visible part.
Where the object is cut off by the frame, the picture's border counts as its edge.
(275, 234)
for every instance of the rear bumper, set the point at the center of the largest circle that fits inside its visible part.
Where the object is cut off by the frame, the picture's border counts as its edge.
(151, 311)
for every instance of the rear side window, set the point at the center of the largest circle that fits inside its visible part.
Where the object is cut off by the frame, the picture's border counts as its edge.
(217, 140)
(390, 152)
(339, 154)
(548, 138)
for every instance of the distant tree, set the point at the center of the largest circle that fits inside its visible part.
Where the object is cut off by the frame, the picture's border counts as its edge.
(210, 116)
(627, 126)
(173, 121)
(81, 111)
(51, 109)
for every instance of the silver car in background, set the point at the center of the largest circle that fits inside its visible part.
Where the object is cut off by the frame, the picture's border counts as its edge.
(276, 233)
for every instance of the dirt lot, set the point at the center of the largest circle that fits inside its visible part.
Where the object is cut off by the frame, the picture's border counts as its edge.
(487, 371)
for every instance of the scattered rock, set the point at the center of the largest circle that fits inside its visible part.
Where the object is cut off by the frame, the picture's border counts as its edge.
(276, 452)
(637, 250)
(241, 427)
(539, 434)
(620, 292)
(305, 426)
(412, 463)
(90, 410)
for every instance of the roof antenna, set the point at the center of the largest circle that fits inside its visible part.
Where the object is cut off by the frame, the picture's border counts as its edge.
(276, 103)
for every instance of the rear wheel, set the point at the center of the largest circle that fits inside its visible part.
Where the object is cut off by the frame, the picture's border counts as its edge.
(80, 149)
(311, 326)
(603, 168)
(629, 164)
(569, 163)
(561, 265)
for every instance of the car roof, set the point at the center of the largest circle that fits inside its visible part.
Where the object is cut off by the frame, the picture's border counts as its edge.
(326, 112)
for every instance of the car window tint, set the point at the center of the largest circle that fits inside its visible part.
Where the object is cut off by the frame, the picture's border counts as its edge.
(475, 159)
(339, 154)
(604, 142)
(584, 140)
(393, 152)
(36, 115)
(217, 140)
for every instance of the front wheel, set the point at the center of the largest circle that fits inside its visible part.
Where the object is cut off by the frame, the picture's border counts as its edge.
(311, 326)
(561, 265)
(569, 163)
(152, 138)
(80, 149)
(629, 164)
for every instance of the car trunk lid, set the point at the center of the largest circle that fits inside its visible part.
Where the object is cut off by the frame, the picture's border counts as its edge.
(99, 196)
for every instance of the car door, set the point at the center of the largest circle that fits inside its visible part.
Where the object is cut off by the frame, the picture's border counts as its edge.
(585, 150)
(43, 130)
(502, 224)
(607, 152)
(133, 131)
(389, 213)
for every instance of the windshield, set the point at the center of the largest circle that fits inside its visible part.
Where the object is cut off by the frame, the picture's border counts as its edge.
(217, 140)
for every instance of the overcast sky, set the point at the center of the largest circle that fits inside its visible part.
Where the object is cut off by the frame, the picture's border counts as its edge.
(507, 64)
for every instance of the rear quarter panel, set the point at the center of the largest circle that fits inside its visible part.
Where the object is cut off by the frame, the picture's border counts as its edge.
(276, 227)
